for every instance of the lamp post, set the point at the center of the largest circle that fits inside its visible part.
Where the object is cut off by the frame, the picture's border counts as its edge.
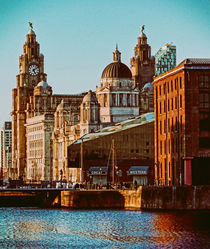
(81, 161)
(100, 172)
(61, 174)
(116, 167)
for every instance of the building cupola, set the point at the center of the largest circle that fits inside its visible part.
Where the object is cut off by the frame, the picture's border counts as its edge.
(116, 55)
(116, 69)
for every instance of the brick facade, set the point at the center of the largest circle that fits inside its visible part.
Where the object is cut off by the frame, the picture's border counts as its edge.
(182, 118)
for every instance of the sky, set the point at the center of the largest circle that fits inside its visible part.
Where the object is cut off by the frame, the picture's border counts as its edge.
(77, 37)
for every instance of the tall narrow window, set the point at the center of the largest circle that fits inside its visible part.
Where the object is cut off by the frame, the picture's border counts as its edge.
(113, 99)
(160, 127)
(172, 124)
(169, 169)
(160, 108)
(176, 124)
(180, 101)
(169, 128)
(181, 122)
(128, 99)
(165, 146)
(121, 99)
(164, 126)
(169, 146)
(105, 100)
(175, 102)
(171, 85)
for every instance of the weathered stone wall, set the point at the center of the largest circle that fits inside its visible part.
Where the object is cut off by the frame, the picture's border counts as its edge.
(146, 197)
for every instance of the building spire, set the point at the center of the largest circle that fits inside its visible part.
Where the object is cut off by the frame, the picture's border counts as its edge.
(116, 55)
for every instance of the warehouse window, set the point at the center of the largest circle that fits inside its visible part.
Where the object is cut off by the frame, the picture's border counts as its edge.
(204, 81)
(204, 100)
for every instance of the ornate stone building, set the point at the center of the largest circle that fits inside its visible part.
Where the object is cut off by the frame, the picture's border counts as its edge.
(117, 96)
(38, 143)
(32, 97)
(147, 98)
(142, 64)
(45, 124)
(66, 131)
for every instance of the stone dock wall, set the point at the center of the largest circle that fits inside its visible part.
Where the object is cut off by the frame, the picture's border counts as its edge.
(146, 197)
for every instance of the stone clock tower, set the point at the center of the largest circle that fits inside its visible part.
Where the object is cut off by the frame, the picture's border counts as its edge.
(31, 72)
(142, 64)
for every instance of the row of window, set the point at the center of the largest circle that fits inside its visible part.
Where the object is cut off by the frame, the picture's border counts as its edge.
(172, 145)
(121, 99)
(170, 105)
(170, 86)
(36, 144)
(35, 153)
(37, 128)
(172, 125)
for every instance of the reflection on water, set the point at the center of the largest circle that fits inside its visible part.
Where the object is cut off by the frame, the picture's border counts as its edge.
(42, 228)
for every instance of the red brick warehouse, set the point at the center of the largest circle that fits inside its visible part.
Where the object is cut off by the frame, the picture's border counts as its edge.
(182, 121)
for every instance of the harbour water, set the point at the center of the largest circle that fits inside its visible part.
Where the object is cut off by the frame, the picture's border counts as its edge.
(57, 228)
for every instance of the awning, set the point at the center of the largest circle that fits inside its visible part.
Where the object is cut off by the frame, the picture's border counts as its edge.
(98, 170)
(138, 170)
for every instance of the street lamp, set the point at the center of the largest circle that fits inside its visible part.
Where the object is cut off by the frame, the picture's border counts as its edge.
(100, 172)
(61, 174)
(116, 167)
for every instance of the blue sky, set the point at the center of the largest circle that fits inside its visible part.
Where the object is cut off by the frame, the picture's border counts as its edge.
(77, 37)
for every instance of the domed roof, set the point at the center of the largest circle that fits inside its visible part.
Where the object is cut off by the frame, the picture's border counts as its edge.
(148, 87)
(90, 97)
(116, 70)
(43, 84)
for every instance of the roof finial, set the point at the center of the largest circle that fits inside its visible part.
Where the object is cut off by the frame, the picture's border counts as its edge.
(116, 46)
(142, 28)
(30, 25)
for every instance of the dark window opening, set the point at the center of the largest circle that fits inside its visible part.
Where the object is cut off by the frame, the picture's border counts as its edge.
(204, 142)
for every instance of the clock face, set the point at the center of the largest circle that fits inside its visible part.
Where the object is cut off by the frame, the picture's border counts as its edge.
(33, 70)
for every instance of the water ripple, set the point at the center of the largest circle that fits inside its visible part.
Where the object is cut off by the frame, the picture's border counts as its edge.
(42, 228)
